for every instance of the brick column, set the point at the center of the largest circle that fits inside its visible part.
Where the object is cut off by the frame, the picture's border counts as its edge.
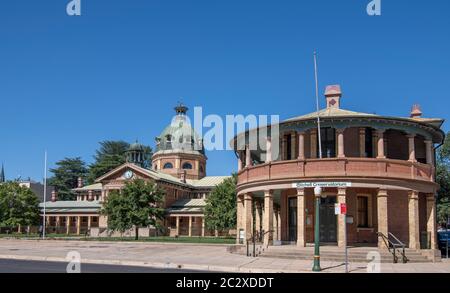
(301, 146)
(248, 156)
(190, 226)
(58, 224)
(268, 217)
(178, 226)
(374, 144)
(78, 225)
(248, 215)
(275, 224)
(203, 229)
(380, 144)
(412, 147)
(89, 222)
(301, 225)
(431, 219)
(269, 150)
(293, 144)
(341, 198)
(240, 162)
(341, 143)
(382, 212)
(258, 218)
(413, 217)
(67, 225)
(239, 214)
(313, 141)
(429, 151)
(362, 142)
(283, 147)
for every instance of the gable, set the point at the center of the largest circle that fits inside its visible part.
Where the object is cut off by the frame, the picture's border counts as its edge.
(120, 174)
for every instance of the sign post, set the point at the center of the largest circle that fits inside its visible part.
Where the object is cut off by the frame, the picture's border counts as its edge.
(341, 209)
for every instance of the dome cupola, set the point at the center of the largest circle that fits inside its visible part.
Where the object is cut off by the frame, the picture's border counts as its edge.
(179, 148)
(136, 154)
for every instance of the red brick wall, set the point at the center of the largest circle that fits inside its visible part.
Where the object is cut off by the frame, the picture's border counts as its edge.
(398, 222)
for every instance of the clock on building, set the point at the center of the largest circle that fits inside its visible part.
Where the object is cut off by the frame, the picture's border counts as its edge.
(128, 174)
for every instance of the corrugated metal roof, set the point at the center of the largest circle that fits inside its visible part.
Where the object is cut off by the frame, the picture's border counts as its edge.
(71, 206)
(189, 202)
(209, 181)
(191, 205)
(331, 112)
(96, 186)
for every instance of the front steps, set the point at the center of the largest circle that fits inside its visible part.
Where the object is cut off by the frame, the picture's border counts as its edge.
(335, 254)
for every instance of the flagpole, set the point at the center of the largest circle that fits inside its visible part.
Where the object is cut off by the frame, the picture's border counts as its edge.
(317, 189)
(45, 193)
(317, 105)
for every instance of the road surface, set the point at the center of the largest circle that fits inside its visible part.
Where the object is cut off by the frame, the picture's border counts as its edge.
(26, 266)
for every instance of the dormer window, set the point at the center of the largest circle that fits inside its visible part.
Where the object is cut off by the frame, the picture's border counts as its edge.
(187, 166)
(168, 166)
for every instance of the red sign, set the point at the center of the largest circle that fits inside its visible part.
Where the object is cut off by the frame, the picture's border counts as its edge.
(340, 209)
(343, 209)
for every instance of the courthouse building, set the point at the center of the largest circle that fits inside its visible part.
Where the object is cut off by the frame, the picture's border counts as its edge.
(382, 168)
(178, 166)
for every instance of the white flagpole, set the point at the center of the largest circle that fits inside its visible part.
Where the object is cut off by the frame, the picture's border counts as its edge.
(45, 193)
(317, 105)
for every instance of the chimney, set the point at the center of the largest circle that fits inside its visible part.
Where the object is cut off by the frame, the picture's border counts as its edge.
(416, 112)
(54, 196)
(183, 176)
(333, 95)
(90, 195)
(80, 182)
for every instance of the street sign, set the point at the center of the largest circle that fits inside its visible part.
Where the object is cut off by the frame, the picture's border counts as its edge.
(321, 184)
(340, 209)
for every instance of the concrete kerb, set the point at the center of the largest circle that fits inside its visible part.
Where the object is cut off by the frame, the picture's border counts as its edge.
(150, 264)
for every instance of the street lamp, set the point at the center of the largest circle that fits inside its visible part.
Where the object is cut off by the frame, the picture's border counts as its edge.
(317, 194)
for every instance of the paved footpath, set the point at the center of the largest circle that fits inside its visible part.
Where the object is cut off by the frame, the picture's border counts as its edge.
(183, 256)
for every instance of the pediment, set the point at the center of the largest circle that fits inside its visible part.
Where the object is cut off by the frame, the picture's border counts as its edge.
(126, 172)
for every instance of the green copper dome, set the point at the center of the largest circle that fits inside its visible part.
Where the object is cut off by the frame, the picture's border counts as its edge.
(179, 135)
(136, 147)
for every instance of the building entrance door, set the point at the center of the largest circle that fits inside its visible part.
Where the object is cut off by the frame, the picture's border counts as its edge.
(292, 218)
(328, 220)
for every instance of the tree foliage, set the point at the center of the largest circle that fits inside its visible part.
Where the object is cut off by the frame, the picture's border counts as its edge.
(443, 179)
(220, 209)
(138, 204)
(18, 205)
(110, 155)
(65, 176)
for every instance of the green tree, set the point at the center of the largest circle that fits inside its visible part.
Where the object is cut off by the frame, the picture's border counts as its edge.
(220, 209)
(65, 176)
(443, 179)
(138, 204)
(18, 205)
(111, 155)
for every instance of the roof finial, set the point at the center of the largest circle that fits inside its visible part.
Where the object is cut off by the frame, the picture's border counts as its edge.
(416, 112)
(181, 109)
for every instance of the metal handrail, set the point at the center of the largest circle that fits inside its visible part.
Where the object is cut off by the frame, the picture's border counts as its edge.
(257, 236)
(393, 247)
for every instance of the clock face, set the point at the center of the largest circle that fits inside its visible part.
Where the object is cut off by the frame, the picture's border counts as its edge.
(128, 174)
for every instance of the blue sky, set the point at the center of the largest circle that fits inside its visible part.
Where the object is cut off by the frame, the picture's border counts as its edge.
(117, 71)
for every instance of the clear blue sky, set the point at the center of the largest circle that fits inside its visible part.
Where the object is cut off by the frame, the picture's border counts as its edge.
(116, 72)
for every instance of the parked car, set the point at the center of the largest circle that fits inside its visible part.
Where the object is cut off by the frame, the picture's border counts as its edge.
(444, 240)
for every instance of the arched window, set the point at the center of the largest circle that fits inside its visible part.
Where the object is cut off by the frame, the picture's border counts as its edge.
(168, 166)
(187, 166)
(169, 138)
(201, 169)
